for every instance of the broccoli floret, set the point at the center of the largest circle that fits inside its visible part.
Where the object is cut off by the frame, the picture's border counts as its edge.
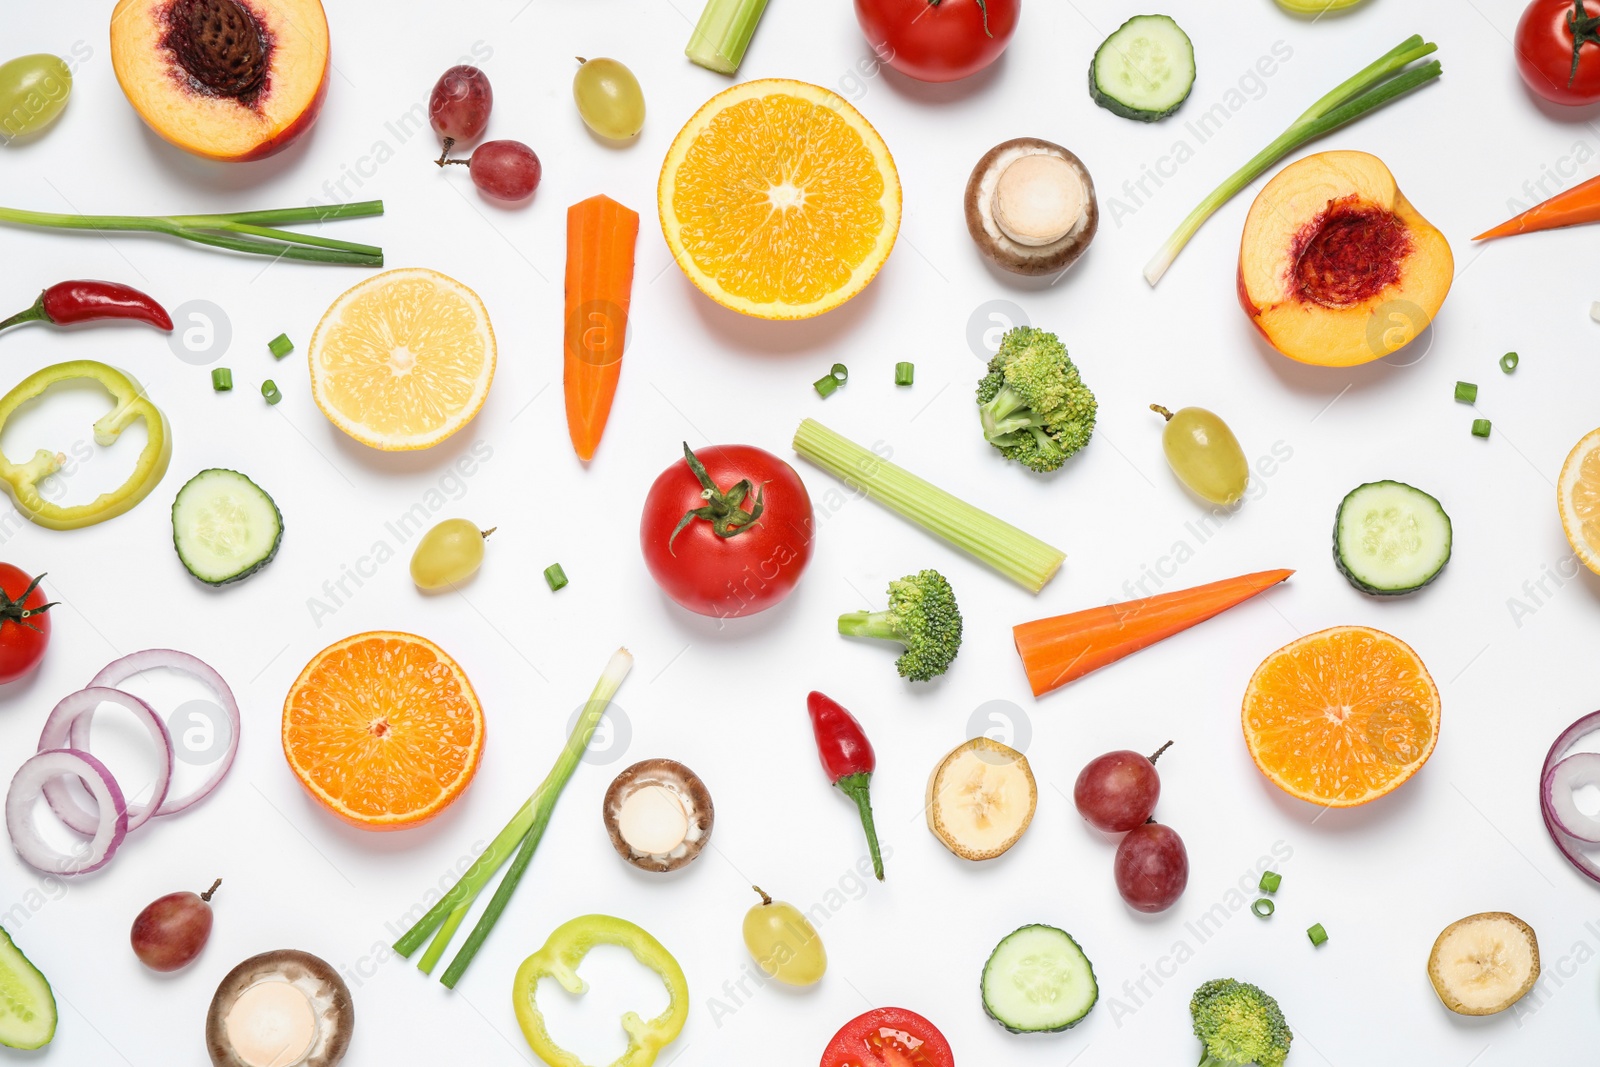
(1239, 1024)
(923, 616)
(1034, 407)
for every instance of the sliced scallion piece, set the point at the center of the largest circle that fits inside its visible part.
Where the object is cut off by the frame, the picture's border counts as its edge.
(1263, 908)
(222, 379)
(1466, 393)
(269, 391)
(1317, 934)
(1480, 427)
(1270, 881)
(280, 346)
(904, 373)
(555, 577)
(1509, 361)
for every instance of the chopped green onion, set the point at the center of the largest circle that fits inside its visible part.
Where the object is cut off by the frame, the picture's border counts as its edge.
(1371, 88)
(1019, 556)
(1270, 881)
(841, 372)
(904, 372)
(723, 33)
(555, 577)
(1509, 361)
(1480, 427)
(269, 390)
(825, 385)
(1263, 908)
(280, 345)
(222, 379)
(1317, 934)
(1466, 393)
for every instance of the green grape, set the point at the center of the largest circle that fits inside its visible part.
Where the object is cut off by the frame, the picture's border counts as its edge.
(784, 943)
(449, 553)
(1204, 454)
(609, 98)
(33, 90)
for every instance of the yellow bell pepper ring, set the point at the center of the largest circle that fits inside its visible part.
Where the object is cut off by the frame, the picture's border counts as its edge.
(559, 959)
(22, 480)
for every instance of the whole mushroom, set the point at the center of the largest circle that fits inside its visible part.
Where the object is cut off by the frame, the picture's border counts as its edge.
(285, 1008)
(1030, 206)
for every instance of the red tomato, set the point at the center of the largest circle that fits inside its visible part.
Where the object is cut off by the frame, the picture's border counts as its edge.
(1544, 46)
(24, 623)
(763, 555)
(938, 40)
(888, 1037)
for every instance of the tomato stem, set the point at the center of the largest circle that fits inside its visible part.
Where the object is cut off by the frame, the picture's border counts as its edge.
(723, 510)
(1585, 29)
(16, 611)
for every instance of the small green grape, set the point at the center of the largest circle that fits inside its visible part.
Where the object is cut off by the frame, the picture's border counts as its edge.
(784, 943)
(1204, 454)
(449, 553)
(33, 91)
(609, 98)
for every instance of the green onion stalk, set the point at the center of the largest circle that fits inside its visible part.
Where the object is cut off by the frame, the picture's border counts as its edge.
(516, 842)
(254, 232)
(1386, 79)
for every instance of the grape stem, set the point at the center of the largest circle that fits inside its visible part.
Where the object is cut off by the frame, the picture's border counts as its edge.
(1157, 753)
(766, 901)
(206, 896)
(1165, 414)
(444, 157)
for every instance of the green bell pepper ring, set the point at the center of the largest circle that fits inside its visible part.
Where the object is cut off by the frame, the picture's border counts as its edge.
(559, 959)
(22, 480)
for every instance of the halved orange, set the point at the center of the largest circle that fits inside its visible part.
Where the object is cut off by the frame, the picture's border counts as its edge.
(403, 360)
(779, 200)
(383, 729)
(1578, 495)
(1342, 716)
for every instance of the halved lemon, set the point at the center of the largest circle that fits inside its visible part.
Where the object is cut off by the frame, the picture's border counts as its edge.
(779, 200)
(403, 360)
(1578, 494)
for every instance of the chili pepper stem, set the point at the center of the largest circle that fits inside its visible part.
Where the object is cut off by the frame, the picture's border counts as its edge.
(855, 786)
(34, 314)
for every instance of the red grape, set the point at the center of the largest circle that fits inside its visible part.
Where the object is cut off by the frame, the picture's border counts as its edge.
(1152, 867)
(459, 106)
(505, 170)
(1118, 791)
(170, 932)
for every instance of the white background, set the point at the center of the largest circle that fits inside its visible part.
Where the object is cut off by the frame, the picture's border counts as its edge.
(1463, 836)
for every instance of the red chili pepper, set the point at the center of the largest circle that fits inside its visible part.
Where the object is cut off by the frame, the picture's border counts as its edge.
(848, 758)
(87, 301)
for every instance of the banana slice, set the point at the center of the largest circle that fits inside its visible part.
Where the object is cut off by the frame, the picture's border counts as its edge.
(1484, 963)
(981, 798)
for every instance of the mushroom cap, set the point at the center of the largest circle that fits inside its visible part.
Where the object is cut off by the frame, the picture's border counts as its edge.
(320, 983)
(682, 783)
(1030, 207)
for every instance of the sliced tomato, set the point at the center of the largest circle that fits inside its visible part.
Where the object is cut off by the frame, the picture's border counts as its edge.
(888, 1037)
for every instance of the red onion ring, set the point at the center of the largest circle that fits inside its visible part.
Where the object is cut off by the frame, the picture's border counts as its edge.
(1568, 775)
(120, 670)
(68, 727)
(1568, 846)
(26, 787)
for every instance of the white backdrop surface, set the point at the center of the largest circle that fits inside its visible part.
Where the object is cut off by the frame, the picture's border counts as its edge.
(1509, 632)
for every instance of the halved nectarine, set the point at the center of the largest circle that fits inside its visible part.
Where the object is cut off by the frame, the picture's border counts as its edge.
(1336, 267)
(233, 80)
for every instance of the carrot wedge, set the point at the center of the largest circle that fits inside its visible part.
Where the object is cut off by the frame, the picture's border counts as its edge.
(1570, 207)
(600, 239)
(1057, 650)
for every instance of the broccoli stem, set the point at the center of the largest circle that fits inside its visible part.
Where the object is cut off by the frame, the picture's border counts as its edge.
(869, 624)
(1005, 415)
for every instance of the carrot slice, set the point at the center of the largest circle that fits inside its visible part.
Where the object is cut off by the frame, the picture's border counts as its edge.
(600, 239)
(1057, 650)
(1570, 207)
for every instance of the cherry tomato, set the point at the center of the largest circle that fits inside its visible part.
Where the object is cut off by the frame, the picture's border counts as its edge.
(888, 1037)
(1545, 43)
(24, 623)
(938, 40)
(732, 538)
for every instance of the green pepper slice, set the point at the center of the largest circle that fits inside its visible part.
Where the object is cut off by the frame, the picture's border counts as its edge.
(22, 480)
(559, 959)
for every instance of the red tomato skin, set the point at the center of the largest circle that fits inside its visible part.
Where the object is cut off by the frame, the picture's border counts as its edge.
(21, 648)
(1544, 54)
(937, 42)
(848, 1047)
(728, 577)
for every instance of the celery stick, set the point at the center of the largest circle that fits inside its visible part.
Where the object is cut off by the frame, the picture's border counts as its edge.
(723, 33)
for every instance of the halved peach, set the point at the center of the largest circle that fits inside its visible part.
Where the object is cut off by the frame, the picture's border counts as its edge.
(1336, 267)
(232, 80)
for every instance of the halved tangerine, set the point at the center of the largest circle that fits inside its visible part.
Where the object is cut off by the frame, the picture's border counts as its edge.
(383, 729)
(1341, 716)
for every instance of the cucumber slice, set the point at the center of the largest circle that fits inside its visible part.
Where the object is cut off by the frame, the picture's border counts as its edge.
(1038, 980)
(1390, 538)
(27, 1006)
(1145, 70)
(224, 526)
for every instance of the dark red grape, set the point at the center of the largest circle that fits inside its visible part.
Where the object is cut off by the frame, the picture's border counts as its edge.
(505, 170)
(170, 932)
(459, 106)
(1152, 867)
(1119, 790)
